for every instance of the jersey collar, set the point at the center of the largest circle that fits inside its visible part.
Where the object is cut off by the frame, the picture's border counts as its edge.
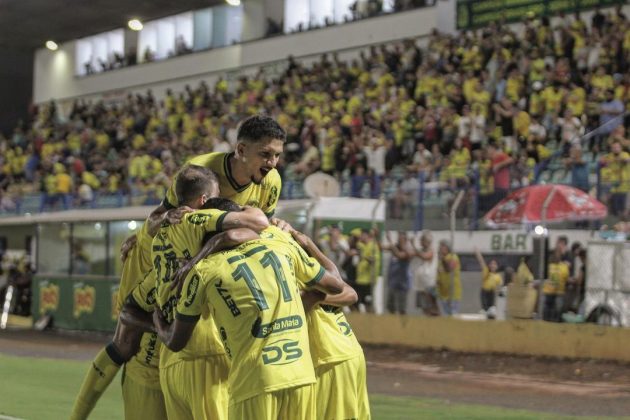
(228, 174)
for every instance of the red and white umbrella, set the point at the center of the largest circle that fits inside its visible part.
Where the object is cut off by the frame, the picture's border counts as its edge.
(545, 203)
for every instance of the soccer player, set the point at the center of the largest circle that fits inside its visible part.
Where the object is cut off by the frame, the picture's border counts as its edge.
(252, 291)
(247, 176)
(193, 381)
(141, 387)
(142, 394)
(341, 389)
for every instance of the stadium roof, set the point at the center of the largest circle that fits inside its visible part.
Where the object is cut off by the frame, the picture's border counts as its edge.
(28, 24)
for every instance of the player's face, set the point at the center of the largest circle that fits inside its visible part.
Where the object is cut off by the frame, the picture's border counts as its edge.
(261, 157)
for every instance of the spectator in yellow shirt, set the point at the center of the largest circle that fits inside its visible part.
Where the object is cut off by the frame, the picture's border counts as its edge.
(63, 186)
(554, 286)
(617, 163)
(449, 282)
(490, 282)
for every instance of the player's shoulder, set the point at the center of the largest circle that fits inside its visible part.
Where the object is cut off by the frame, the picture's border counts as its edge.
(272, 179)
(208, 160)
(202, 216)
(273, 232)
(208, 266)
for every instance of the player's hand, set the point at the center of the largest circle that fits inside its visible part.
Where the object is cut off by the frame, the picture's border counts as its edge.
(310, 298)
(282, 224)
(303, 240)
(159, 321)
(185, 266)
(127, 246)
(174, 216)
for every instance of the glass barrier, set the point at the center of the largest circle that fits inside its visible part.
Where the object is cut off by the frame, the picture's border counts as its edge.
(54, 248)
(89, 249)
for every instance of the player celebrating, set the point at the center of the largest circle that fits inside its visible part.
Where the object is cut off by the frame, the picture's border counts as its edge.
(247, 176)
(142, 394)
(204, 360)
(252, 292)
(141, 386)
(341, 389)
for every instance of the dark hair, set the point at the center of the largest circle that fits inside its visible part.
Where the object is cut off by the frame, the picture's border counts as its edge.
(192, 182)
(563, 238)
(258, 128)
(221, 203)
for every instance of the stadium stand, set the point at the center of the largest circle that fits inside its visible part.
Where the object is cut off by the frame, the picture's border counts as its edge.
(405, 121)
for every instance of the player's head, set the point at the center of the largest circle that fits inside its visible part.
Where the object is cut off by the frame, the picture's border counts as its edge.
(221, 203)
(493, 266)
(195, 185)
(260, 141)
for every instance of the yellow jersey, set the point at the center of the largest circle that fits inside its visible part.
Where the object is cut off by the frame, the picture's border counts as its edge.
(263, 196)
(143, 366)
(449, 283)
(252, 291)
(366, 269)
(171, 243)
(490, 281)
(331, 337)
(558, 277)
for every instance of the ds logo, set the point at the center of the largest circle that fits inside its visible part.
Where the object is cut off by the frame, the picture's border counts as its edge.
(281, 352)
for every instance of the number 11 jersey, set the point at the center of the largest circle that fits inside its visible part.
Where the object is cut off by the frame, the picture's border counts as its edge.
(252, 291)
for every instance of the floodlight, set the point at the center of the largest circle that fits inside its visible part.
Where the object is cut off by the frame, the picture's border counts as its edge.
(52, 45)
(135, 25)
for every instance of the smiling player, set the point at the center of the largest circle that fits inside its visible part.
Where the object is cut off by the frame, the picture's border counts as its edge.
(247, 176)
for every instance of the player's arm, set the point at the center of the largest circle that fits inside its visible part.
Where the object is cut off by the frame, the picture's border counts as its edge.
(250, 218)
(175, 336)
(133, 316)
(162, 214)
(187, 313)
(328, 280)
(129, 332)
(158, 216)
(215, 243)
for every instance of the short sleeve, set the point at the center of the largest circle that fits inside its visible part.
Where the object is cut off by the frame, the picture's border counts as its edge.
(270, 200)
(308, 271)
(143, 295)
(193, 298)
(210, 220)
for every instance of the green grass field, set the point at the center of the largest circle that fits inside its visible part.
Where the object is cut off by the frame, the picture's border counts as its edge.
(41, 389)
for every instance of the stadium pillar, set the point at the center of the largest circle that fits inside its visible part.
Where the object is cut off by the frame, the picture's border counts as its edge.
(446, 15)
(254, 20)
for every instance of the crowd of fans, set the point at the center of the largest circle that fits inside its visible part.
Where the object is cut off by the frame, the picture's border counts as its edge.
(486, 110)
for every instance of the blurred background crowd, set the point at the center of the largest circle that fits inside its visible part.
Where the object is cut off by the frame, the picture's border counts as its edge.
(487, 110)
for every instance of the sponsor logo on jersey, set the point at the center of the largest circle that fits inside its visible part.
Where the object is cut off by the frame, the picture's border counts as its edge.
(273, 196)
(191, 292)
(48, 297)
(151, 296)
(199, 219)
(84, 298)
(281, 352)
(292, 322)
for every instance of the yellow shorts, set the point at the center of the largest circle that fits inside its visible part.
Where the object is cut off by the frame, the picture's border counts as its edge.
(291, 404)
(142, 401)
(196, 389)
(341, 390)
